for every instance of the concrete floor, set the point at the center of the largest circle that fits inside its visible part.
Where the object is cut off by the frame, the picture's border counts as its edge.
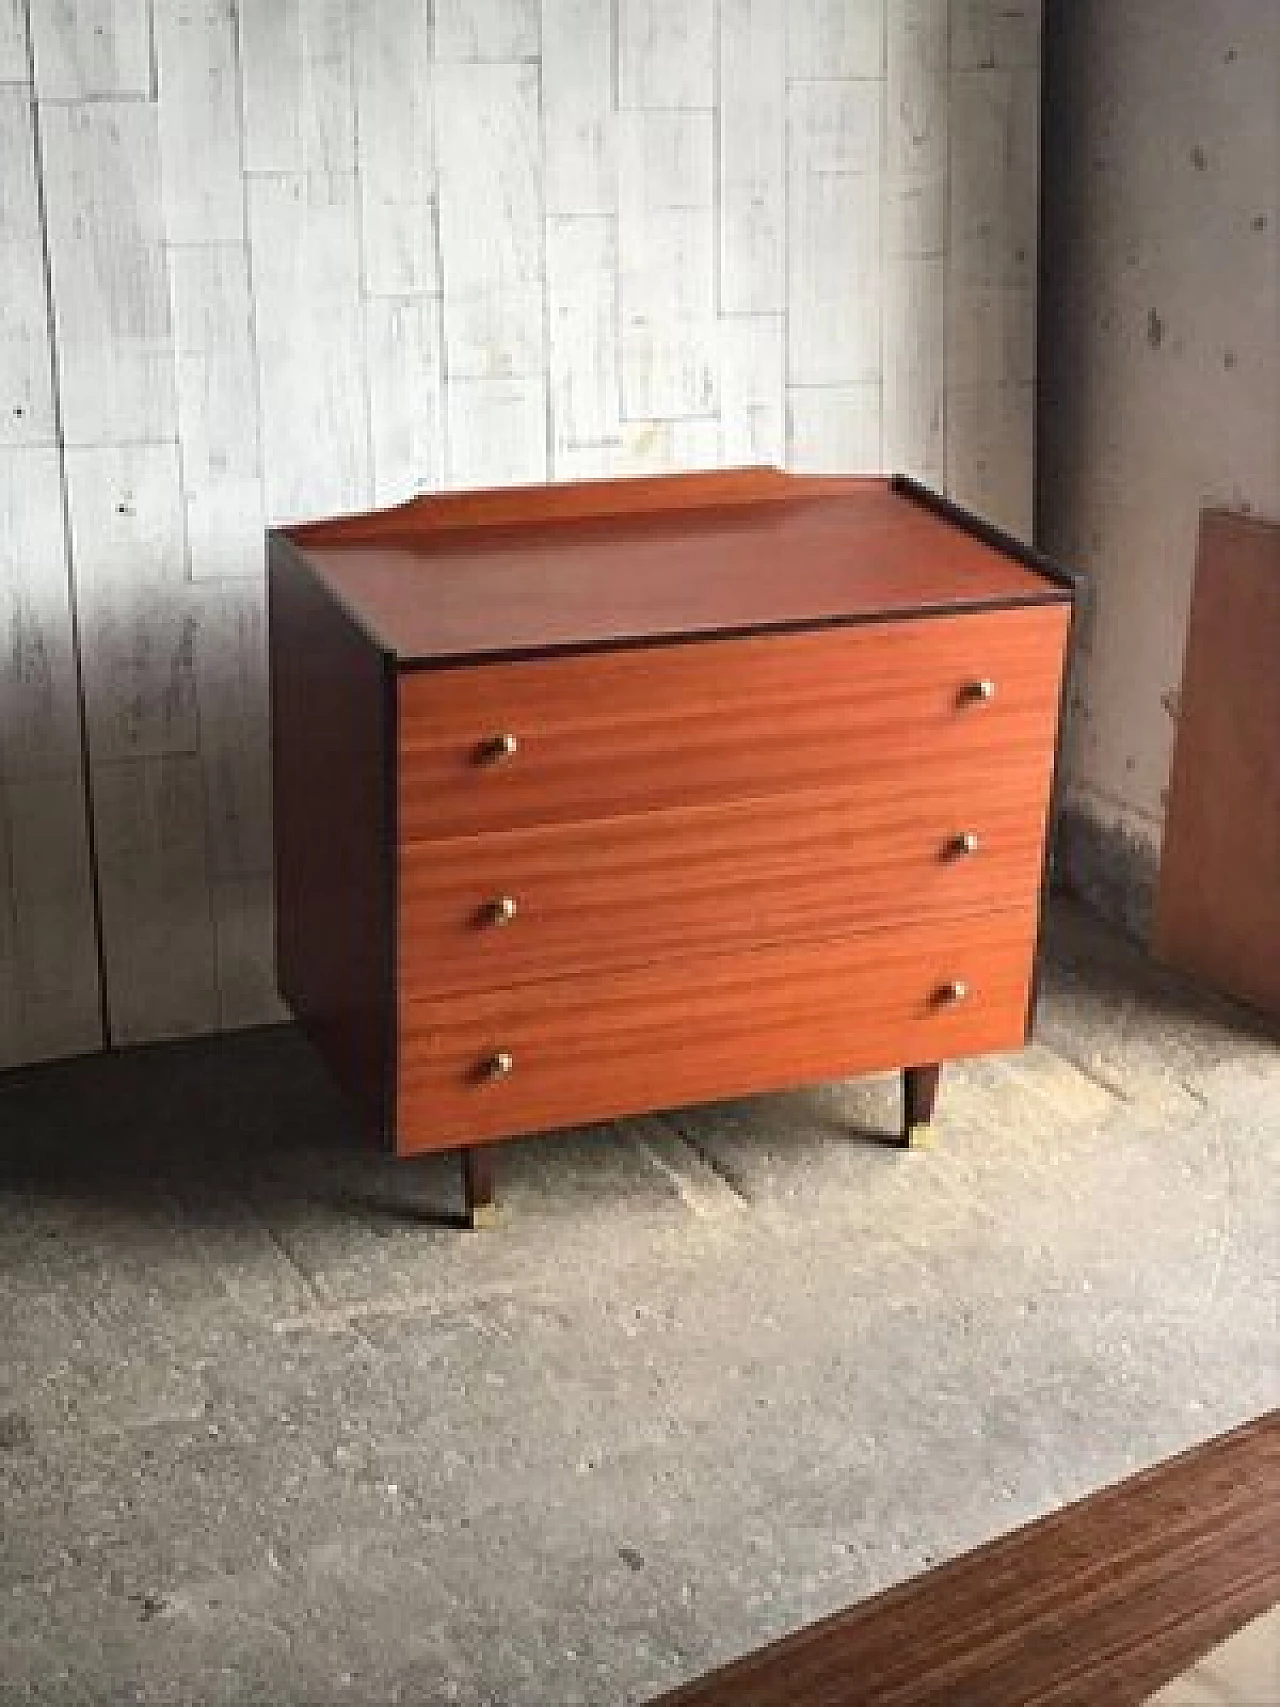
(271, 1430)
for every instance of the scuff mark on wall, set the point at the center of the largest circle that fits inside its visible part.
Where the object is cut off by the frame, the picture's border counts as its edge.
(1110, 866)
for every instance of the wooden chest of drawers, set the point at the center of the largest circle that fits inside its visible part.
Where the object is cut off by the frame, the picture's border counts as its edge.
(595, 799)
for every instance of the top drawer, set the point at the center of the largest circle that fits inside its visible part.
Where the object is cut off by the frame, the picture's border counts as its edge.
(501, 745)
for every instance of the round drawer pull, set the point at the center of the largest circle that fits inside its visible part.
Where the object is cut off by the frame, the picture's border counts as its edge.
(980, 692)
(497, 748)
(500, 911)
(963, 845)
(499, 1065)
(952, 994)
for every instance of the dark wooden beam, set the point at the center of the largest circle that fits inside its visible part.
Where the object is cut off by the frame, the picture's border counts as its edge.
(1097, 1605)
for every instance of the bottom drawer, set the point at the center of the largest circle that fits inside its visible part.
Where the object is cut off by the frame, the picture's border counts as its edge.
(571, 1050)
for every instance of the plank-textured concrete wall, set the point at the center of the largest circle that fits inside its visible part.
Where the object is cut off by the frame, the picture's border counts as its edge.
(268, 259)
(1160, 370)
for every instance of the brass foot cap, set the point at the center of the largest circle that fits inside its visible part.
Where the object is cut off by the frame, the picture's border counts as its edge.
(485, 1217)
(918, 1137)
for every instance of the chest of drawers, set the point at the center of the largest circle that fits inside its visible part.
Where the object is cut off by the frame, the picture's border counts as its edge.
(596, 799)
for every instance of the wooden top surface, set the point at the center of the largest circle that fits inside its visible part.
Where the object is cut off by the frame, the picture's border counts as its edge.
(1097, 1605)
(615, 562)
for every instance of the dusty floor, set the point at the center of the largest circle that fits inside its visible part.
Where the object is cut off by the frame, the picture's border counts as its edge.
(272, 1430)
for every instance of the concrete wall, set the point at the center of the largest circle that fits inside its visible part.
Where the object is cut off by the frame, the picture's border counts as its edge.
(267, 259)
(1160, 369)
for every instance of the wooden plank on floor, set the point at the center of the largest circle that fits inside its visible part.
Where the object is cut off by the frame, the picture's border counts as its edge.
(1096, 1605)
(1217, 911)
(101, 173)
(26, 380)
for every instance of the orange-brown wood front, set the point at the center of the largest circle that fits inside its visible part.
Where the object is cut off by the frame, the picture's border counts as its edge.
(643, 729)
(719, 879)
(590, 1048)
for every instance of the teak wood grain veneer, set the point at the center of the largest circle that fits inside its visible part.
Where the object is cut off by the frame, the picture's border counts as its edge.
(594, 798)
(1098, 1604)
(709, 880)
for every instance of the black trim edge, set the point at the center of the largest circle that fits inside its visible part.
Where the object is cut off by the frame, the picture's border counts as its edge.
(1068, 579)
(391, 899)
(706, 636)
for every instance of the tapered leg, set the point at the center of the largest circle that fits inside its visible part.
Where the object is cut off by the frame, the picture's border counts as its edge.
(477, 1186)
(919, 1096)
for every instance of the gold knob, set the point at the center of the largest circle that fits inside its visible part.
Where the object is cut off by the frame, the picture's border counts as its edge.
(497, 748)
(501, 910)
(980, 692)
(950, 995)
(499, 1064)
(961, 846)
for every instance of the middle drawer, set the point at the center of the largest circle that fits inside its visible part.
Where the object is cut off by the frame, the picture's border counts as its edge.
(516, 906)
